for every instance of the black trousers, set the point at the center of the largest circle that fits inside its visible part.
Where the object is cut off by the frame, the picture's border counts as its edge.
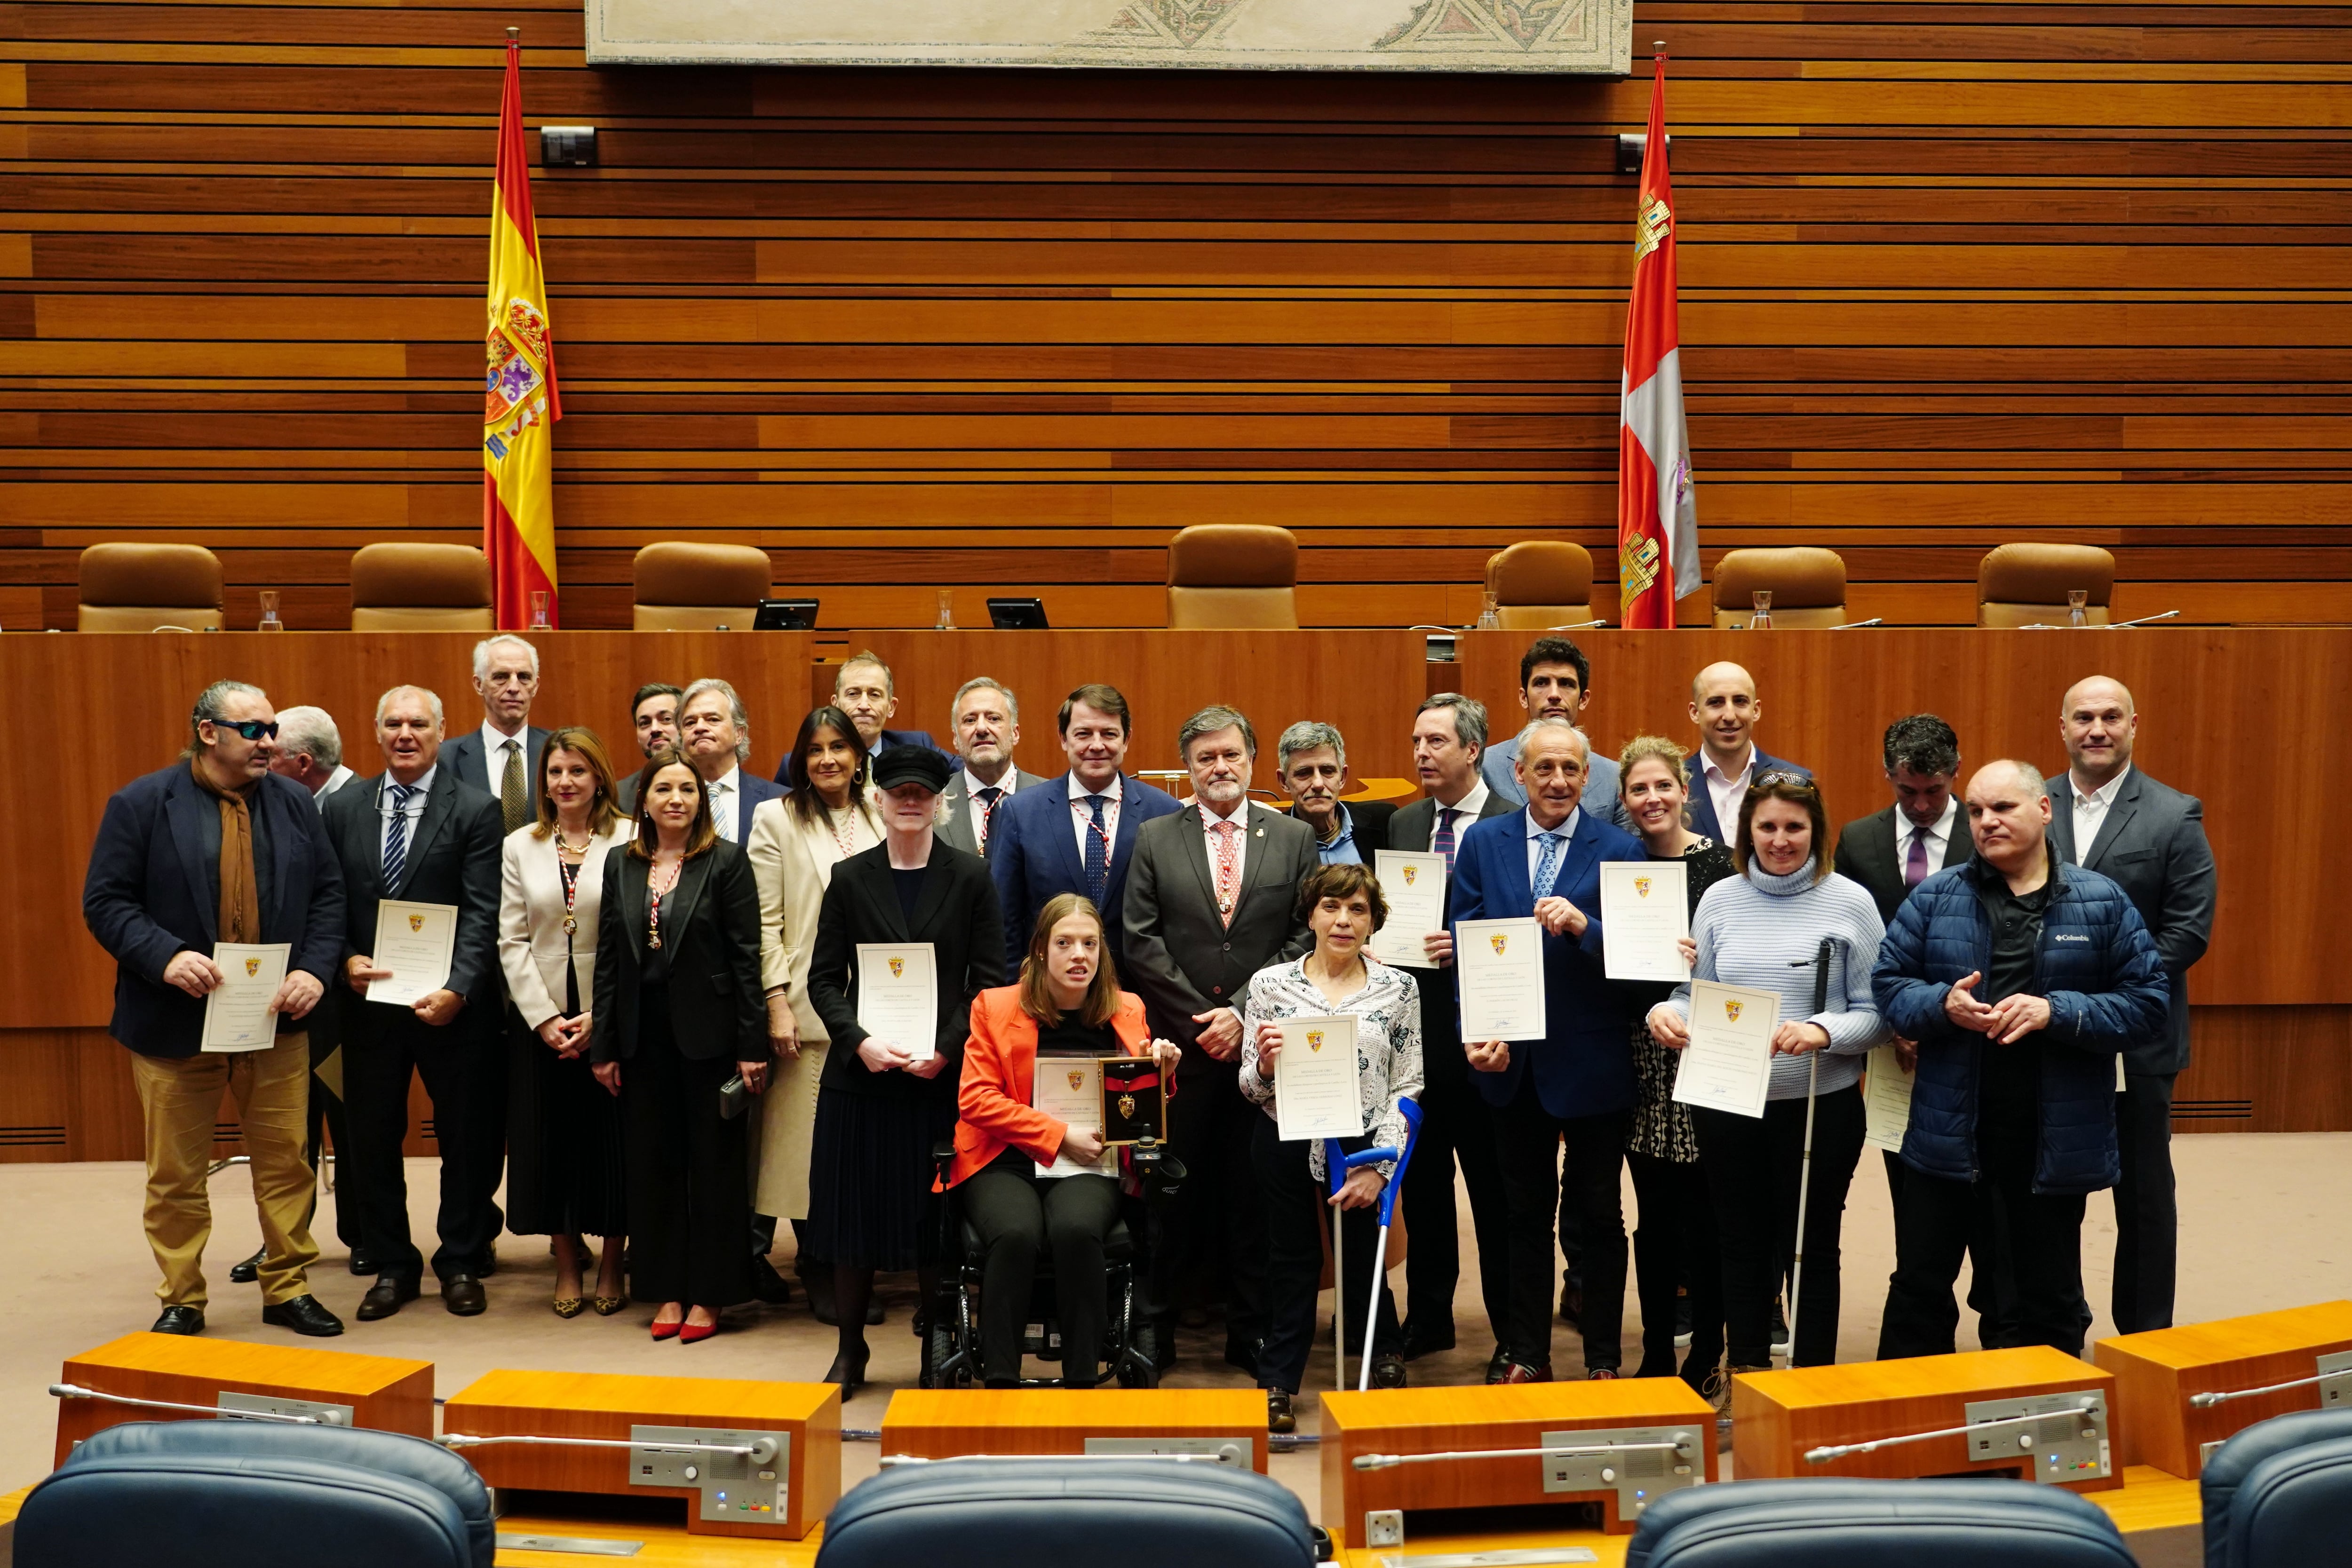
(1021, 1218)
(689, 1207)
(1455, 1126)
(463, 1068)
(1529, 1140)
(1753, 1166)
(1931, 1231)
(1297, 1217)
(1992, 1283)
(1675, 1238)
(327, 1124)
(1214, 1231)
(2148, 1217)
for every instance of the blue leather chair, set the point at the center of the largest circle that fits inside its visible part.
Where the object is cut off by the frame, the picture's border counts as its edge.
(229, 1494)
(1018, 1513)
(2281, 1492)
(1843, 1524)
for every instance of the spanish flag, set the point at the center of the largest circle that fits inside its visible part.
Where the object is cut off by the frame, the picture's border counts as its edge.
(1657, 516)
(521, 404)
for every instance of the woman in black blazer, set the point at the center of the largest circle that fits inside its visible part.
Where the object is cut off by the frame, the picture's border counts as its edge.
(678, 999)
(878, 1110)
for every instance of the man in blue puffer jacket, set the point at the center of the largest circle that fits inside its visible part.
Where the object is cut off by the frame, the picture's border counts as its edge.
(2020, 977)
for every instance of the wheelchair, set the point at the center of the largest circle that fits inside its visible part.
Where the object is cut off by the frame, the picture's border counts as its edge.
(952, 1357)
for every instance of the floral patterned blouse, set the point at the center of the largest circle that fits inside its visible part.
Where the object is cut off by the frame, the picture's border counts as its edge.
(1387, 1011)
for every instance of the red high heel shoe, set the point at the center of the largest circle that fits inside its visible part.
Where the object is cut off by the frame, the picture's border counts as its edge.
(668, 1331)
(694, 1333)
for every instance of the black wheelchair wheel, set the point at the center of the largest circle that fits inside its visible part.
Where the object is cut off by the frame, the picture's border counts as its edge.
(942, 1368)
(1139, 1367)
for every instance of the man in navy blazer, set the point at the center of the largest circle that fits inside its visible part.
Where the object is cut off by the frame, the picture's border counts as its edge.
(715, 737)
(506, 676)
(1075, 834)
(217, 848)
(1725, 707)
(1578, 1082)
(864, 689)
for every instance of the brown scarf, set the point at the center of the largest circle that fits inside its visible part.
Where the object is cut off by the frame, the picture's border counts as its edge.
(240, 893)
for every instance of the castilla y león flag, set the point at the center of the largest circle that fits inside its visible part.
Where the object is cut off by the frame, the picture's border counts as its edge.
(1657, 516)
(520, 406)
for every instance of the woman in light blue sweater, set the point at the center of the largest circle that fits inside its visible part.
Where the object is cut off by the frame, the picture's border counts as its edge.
(1765, 928)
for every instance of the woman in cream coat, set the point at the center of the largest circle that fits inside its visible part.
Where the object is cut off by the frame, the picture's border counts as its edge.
(795, 843)
(563, 1128)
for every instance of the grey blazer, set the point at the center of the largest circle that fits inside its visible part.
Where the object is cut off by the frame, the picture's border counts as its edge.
(1601, 797)
(957, 829)
(1180, 957)
(2153, 845)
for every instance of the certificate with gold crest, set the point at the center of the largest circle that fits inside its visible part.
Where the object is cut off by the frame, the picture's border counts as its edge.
(1069, 1089)
(1501, 980)
(415, 941)
(1727, 1066)
(236, 1011)
(1645, 912)
(1316, 1090)
(1415, 887)
(898, 995)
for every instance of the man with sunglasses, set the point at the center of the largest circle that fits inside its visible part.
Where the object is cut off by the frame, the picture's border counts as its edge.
(217, 848)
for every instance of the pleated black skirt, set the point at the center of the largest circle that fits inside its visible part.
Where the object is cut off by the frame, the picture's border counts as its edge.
(565, 1171)
(870, 1199)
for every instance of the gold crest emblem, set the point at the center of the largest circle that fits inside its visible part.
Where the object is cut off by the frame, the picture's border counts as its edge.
(1410, 873)
(1731, 1010)
(416, 922)
(252, 967)
(1653, 227)
(1500, 942)
(1314, 1039)
(1641, 887)
(898, 968)
(1078, 1079)
(1127, 1106)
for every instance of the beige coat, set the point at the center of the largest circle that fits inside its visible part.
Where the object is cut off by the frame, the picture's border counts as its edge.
(793, 861)
(532, 943)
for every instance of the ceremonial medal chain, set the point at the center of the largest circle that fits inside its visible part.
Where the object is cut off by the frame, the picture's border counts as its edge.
(657, 887)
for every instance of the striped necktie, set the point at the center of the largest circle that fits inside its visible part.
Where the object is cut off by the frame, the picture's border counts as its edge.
(395, 839)
(1547, 864)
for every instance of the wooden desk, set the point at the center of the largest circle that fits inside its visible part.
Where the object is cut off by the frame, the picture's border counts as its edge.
(2155, 1374)
(1778, 1416)
(605, 1404)
(385, 1393)
(942, 1423)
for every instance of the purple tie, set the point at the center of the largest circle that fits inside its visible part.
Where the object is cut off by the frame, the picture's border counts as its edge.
(1444, 843)
(1915, 865)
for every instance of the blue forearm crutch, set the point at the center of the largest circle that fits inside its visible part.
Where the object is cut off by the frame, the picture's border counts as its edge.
(1411, 1111)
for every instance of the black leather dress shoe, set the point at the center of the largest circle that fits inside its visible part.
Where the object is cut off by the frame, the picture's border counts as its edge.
(1497, 1365)
(767, 1285)
(304, 1315)
(363, 1264)
(180, 1321)
(462, 1294)
(489, 1265)
(1242, 1354)
(385, 1296)
(246, 1270)
(1421, 1339)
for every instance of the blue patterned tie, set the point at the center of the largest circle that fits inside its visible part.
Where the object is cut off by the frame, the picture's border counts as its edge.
(395, 843)
(1098, 854)
(1547, 864)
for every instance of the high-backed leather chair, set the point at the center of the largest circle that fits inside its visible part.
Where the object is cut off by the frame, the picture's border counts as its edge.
(1807, 583)
(227, 1494)
(1018, 1513)
(148, 587)
(2278, 1493)
(687, 587)
(1836, 1523)
(2027, 584)
(411, 587)
(1232, 576)
(1538, 584)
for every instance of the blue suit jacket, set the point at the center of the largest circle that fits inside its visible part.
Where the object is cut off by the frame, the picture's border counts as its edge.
(1584, 1064)
(147, 897)
(889, 737)
(754, 790)
(1701, 810)
(1034, 855)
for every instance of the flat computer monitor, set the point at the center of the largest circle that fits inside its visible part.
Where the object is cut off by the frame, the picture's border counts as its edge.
(785, 615)
(1018, 614)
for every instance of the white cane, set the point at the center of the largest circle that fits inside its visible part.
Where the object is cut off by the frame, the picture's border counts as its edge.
(1805, 1169)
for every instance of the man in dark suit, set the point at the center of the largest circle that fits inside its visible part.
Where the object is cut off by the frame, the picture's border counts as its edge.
(1725, 707)
(1576, 1084)
(2108, 817)
(986, 722)
(653, 716)
(1311, 764)
(1449, 741)
(1076, 833)
(419, 835)
(1212, 898)
(216, 848)
(502, 758)
(715, 737)
(865, 690)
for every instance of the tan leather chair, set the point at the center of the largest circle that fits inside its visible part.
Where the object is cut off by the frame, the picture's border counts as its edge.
(412, 587)
(1232, 576)
(2027, 584)
(688, 587)
(1808, 585)
(1538, 584)
(148, 588)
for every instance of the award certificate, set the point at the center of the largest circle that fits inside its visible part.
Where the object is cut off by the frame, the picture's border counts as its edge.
(1414, 887)
(1885, 1100)
(1069, 1089)
(414, 941)
(1315, 1092)
(898, 995)
(1727, 1066)
(1645, 914)
(236, 1011)
(1500, 979)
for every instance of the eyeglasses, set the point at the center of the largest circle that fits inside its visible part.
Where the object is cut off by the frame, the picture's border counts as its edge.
(251, 729)
(1788, 781)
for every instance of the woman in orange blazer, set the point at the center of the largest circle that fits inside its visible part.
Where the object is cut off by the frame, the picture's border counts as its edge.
(1066, 1004)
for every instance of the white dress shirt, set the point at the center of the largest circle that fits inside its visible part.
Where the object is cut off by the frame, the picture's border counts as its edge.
(495, 742)
(2091, 808)
(726, 802)
(1240, 819)
(1536, 836)
(1938, 839)
(415, 812)
(1465, 812)
(335, 781)
(1083, 820)
(1728, 790)
(978, 809)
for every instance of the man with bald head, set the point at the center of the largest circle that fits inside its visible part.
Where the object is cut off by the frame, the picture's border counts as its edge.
(2110, 817)
(1725, 707)
(2020, 977)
